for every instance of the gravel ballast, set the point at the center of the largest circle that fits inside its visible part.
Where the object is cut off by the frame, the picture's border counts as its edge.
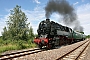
(50, 54)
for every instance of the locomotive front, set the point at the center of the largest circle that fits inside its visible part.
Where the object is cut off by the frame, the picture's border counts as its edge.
(43, 33)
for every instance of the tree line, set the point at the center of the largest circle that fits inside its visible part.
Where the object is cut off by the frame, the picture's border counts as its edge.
(17, 27)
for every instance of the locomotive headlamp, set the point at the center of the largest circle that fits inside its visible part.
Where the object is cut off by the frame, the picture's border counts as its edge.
(44, 23)
(66, 36)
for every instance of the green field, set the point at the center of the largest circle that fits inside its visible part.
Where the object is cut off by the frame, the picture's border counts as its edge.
(7, 45)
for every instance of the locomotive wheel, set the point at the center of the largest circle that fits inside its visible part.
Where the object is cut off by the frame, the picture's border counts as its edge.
(62, 41)
(53, 46)
(50, 46)
(40, 46)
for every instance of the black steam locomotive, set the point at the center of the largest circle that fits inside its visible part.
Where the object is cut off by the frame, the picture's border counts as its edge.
(51, 34)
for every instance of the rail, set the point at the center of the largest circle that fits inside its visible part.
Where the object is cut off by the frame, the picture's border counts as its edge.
(20, 53)
(71, 55)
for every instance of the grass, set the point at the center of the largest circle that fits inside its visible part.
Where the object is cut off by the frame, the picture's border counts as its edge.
(7, 48)
(8, 45)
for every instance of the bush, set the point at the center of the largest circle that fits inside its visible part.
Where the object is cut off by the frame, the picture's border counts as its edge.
(6, 45)
(21, 45)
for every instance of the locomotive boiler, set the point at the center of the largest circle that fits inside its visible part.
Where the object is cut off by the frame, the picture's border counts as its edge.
(51, 34)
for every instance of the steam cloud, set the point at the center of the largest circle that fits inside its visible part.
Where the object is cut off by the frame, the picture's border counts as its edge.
(66, 10)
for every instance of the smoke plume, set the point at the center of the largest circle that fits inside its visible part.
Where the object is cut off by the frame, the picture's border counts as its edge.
(66, 10)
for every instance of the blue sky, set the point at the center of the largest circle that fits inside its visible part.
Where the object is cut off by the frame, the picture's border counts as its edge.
(34, 9)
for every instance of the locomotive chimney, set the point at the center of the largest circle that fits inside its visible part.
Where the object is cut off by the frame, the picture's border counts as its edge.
(47, 19)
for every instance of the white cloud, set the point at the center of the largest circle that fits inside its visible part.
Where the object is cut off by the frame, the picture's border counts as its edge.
(75, 3)
(35, 16)
(38, 2)
(3, 23)
(83, 12)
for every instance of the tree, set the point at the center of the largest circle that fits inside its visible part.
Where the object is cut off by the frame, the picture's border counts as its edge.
(88, 36)
(31, 35)
(4, 34)
(17, 24)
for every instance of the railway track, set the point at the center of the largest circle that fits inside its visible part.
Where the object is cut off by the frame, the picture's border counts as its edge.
(76, 53)
(20, 53)
(72, 55)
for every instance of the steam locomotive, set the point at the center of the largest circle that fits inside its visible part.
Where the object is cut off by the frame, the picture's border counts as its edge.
(52, 34)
